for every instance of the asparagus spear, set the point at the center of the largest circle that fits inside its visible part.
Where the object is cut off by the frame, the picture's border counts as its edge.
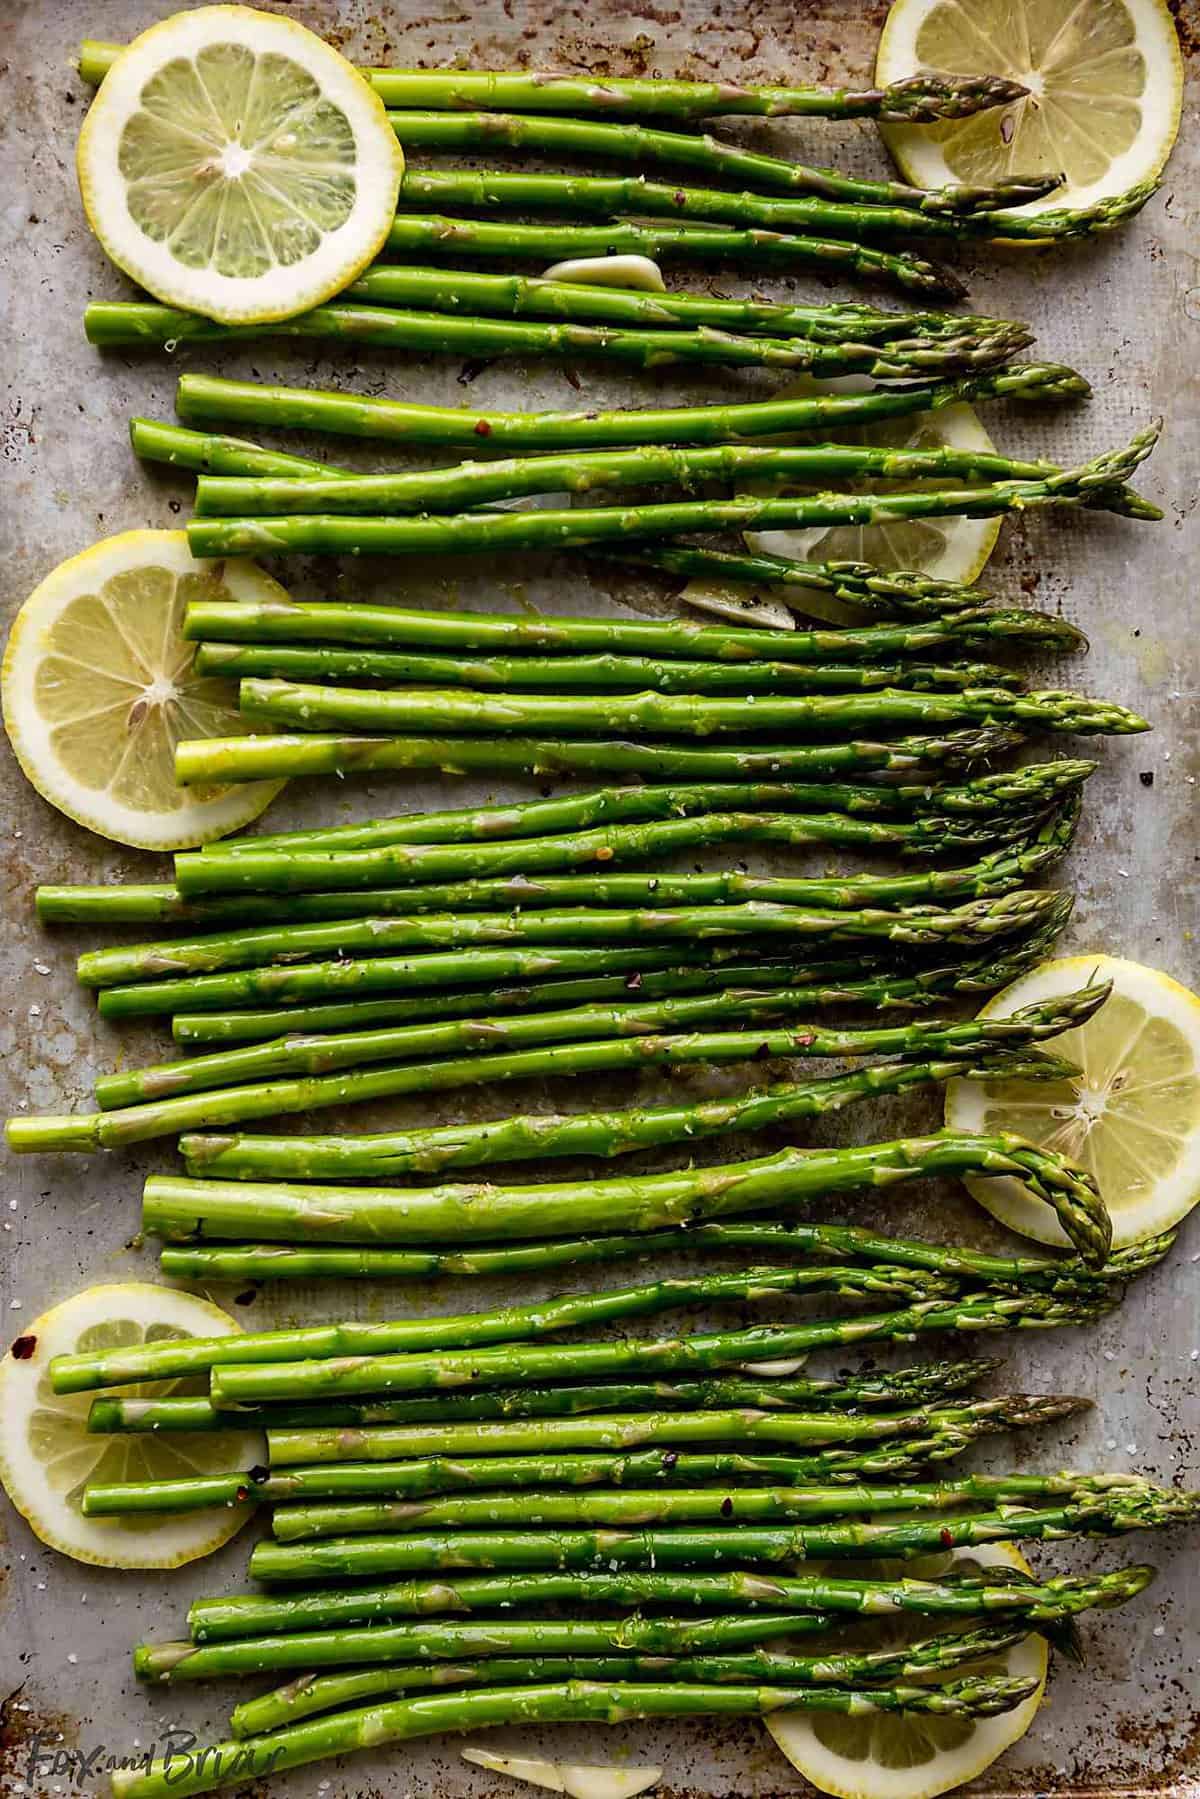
(205, 398)
(192, 1355)
(350, 1049)
(145, 324)
(399, 1720)
(185, 1209)
(250, 758)
(415, 1551)
(325, 870)
(298, 706)
(592, 196)
(884, 343)
(887, 1387)
(221, 1623)
(602, 673)
(418, 974)
(642, 145)
(464, 485)
(1095, 483)
(905, 593)
(312, 1693)
(1096, 1505)
(257, 947)
(918, 100)
(548, 643)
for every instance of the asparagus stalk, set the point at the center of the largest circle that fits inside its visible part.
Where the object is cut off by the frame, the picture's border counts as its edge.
(185, 1209)
(194, 1355)
(592, 196)
(1096, 1505)
(250, 758)
(533, 1436)
(257, 947)
(351, 1049)
(918, 100)
(885, 343)
(643, 145)
(894, 1459)
(304, 707)
(144, 324)
(905, 593)
(415, 864)
(649, 1547)
(400, 1720)
(887, 1387)
(420, 974)
(207, 398)
(465, 485)
(1096, 483)
(223, 1623)
(309, 1694)
(602, 673)
(548, 644)
(1116, 1499)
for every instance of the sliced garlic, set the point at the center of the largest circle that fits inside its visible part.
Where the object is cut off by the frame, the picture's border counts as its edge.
(610, 271)
(729, 599)
(575, 1779)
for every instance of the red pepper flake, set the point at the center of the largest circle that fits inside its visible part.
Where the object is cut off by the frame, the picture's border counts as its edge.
(23, 1348)
(680, 197)
(726, 1508)
(482, 428)
(947, 1537)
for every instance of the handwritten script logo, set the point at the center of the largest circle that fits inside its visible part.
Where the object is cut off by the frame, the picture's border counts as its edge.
(177, 1758)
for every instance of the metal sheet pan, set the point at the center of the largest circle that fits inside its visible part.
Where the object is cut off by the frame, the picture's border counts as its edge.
(1126, 311)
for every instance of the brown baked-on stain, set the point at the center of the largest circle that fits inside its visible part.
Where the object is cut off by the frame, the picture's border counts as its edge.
(23, 1728)
(1186, 14)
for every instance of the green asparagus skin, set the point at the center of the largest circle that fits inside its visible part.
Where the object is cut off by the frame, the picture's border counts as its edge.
(598, 929)
(313, 1693)
(591, 196)
(903, 593)
(222, 1623)
(296, 706)
(207, 398)
(350, 1049)
(398, 865)
(194, 1355)
(1097, 483)
(918, 100)
(185, 1210)
(250, 758)
(924, 1381)
(645, 146)
(1099, 1506)
(347, 321)
(462, 486)
(649, 1547)
(886, 344)
(400, 1720)
(417, 975)
(533, 1436)
(548, 643)
(231, 661)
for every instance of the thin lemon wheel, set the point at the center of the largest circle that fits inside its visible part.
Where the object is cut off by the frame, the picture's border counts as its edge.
(891, 1755)
(1105, 80)
(47, 1456)
(234, 164)
(946, 549)
(98, 686)
(1131, 1118)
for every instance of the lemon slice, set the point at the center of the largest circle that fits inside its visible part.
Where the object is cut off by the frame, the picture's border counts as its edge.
(946, 549)
(98, 687)
(891, 1755)
(1132, 1118)
(234, 164)
(1105, 80)
(47, 1456)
